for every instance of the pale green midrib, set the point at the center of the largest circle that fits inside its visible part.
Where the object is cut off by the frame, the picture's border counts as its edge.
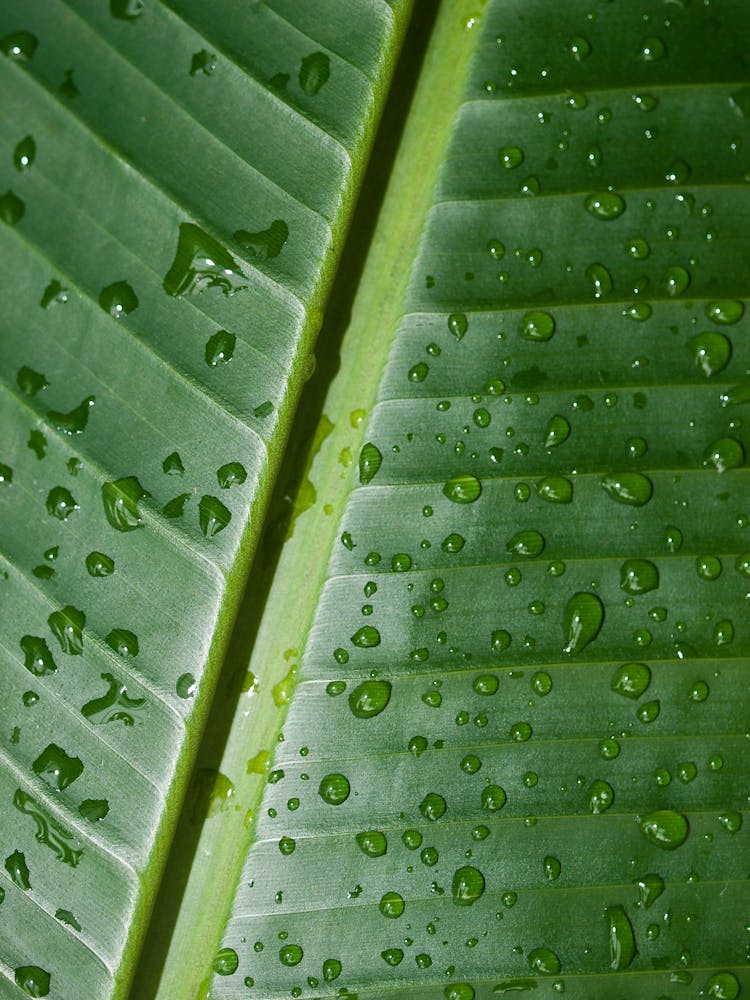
(636, 89)
(67, 815)
(489, 894)
(44, 905)
(195, 122)
(164, 527)
(148, 179)
(169, 5)
(247, 72)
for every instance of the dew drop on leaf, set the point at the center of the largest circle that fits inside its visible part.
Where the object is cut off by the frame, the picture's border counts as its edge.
(226, 962)
(468, 885)
(99, 564)
(622, 948)
(33, 980)
(711, 352)
(266, 244)
(60, 503)
(373, 843)
(370, 460)
(463, 488)
(12, 208)
(606, 205)
(537, 325)
(334, 789)
(582, 620)
(369, 698)
(391, 905)
(290, 954)
(213, 515)
(544, 962)
(314, 73)
(118, 299)
(665, 828)
(366, 637)
(432, 806)
(631, 488)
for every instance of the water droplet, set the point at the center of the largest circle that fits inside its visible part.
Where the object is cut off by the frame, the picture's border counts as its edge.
(213, 516)
(231, 474)
(605, 205)
(373, 843)
(453, 542)
(99, 564)
(468, 885)
(334, 789)
(314, 73)
(637, 248)
(370, 698)
(723, 633)
(556, 432)
(290, 954)
(459, 991)
(126, 10)
(123, 641)
(201, 262)
(202, 61)
(58, 768)
(24, 153)
(67, 627)
(537, 325)
(60, 503)
(653, 49)
(19, 45)
(601, 280)
(458, 324)
(665, 828)
(600, 796)
(12, 208)
(711, 352)
(220, 348)
(73, 422)
(544, 962)
(370, 460)
(391, 905)
(731, 821)
(582, 620)
(266, 244)
(120, 500)
(463, 488)
(676, 280)
(725, 312)
(622, 949)
(419, 372)
(331, 970)
(493, 798)
(35, 982)
(631, 680)
(511, 157)
(708, 567)
(118, 299)
(726, 453)
(555, 489)
(579, 47)
(392, 956)
(226, 962)
(631, 488)
(186, 686)
(526, 543)
(638, 576)
(94, 810)
(366, 637)
(432, 806)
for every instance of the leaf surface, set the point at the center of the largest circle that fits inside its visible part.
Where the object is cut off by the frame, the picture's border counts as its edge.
(176, 188)
(515, 759)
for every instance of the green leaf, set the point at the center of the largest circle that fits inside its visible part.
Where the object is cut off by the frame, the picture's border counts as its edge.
(530, 814)
(178, 181)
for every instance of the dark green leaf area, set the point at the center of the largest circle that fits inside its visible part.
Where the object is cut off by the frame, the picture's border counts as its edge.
(566, 473)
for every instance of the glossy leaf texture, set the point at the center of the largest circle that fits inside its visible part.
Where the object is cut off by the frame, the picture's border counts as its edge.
(175, 180)
(516, 758)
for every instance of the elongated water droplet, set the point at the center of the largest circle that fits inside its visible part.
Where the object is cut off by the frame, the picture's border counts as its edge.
(201, 262)
(622, 949)
(458, 325)
(600, 796)
(370, 460)
(60, 503)
(73, 422)
(67, 627)
(601, 280)
(220, 348)
(631, 488)
(33, 980)
(711, 352)
(12, 208)
(314, 73)
(582, 620)
(266, 244)
(24, 153)
(556, 432)
(725, 312)
(650, 887)
(724, 454)
(120, 499)
(213, 516)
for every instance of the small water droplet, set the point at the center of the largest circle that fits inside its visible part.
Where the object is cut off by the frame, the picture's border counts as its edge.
(75, 420)
(605, 205)
(231, 474)
(19, 45)
(99, 564)
(724, 454)
(290, 954)
(60, 503)
(12, 208)
(314, 73)
(711, 352)
(511, 157)
(118, 299)
(202, 61)
(24, 153)
(631, 488)
(186, 686)
(126, 10)
(120, 499)
(638, 576)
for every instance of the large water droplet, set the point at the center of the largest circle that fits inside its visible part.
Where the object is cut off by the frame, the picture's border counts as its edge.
(75, 420)
(370, 460)
(267, 243)
(463, 488)
(582, 620)
(373, 843)
(606, 205)
(220, 348)
(665, 828)
(67, 627)
(58, 768)
(118, 299)
(631, 488)
(631, 680)
(638, 576)
(366, 637)
(201, 262)
(622, 949)
(60, 503)
(468, 885)
(12, 208)
(432, 806)
(290, 954)
(537, 325)
(120, 499)
(555, 489)
(226, 962)
(726, 453)
(711, 352)
(213, 515)
(370, 698)
(544, 962)
(391, 905)
(33, 980)
(314, 73)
